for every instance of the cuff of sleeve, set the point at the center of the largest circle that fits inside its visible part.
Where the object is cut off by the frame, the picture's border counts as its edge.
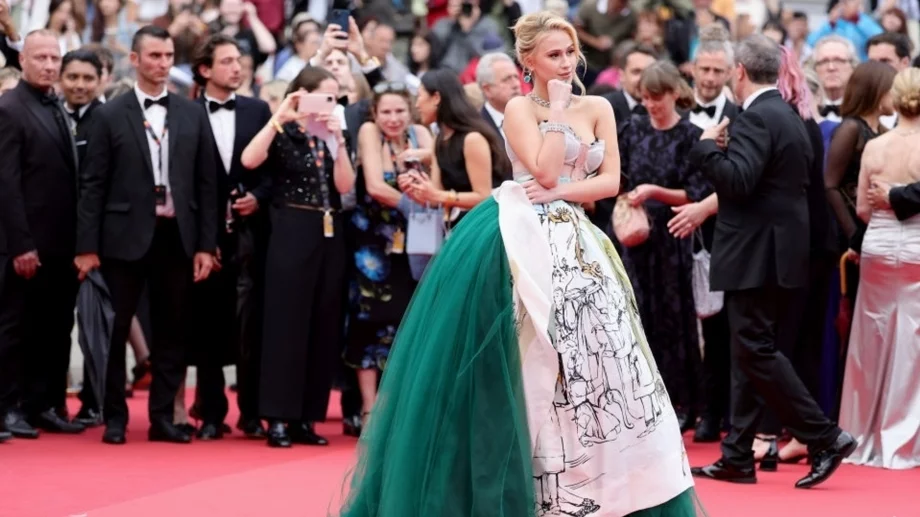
(15, 45)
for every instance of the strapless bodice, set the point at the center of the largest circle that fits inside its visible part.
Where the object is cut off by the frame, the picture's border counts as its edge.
(581, 160)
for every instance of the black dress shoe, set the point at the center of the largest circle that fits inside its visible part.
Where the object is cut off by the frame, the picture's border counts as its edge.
(686, 420)
(114, 435)
(252, 429)
(351, 426)
(210, 432)
(826, 461)
(305, 435)
(707, 431)
(166, 432)
(770, 460)
(88, 417)
(187, 428)
(53, 423)
(721, 471)
(16, 425)
(278, 435)
(4, 436)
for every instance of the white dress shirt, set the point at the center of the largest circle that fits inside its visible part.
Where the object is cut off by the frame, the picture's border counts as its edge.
(630, 101)
(223, 125)
(752, 97)
(833, 117)
(156, 117)
(497, 116)
(702, 119)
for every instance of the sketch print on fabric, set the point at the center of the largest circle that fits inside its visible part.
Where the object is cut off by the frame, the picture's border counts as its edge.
(608, 383)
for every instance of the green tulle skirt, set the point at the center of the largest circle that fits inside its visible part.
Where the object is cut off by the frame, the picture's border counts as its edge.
(448, 435)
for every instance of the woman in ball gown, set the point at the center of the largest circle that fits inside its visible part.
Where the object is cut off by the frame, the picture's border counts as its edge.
(520, 381)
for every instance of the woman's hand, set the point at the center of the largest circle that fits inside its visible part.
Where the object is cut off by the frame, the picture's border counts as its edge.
(419, 155)
(852, 256)
(689, 217)
(355, 45)
(334, 125)
(405, 182)
(641, 194)
(540, 195)
(560, 94)
(422, 189)
(287, 112)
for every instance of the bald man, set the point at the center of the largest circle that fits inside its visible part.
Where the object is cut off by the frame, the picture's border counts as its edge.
(38, 283)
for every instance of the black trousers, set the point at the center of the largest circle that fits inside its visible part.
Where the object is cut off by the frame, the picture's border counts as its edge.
(167, 272)
(802, 339)
(716, 366)
(762, 377)
(36, 319)
(252, 248)
(303, 305)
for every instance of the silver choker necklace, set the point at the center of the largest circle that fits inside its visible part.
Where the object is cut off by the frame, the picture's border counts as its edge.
(542, 102)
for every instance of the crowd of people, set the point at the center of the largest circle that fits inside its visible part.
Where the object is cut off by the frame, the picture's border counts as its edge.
(257, 185)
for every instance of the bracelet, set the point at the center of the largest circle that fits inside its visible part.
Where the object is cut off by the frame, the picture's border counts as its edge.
(555, 127)
(277, 126)
(454, 197)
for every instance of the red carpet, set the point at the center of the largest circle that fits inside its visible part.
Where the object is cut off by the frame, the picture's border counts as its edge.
(61, 476)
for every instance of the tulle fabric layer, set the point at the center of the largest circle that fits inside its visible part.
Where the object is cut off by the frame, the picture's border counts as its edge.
(448, 436)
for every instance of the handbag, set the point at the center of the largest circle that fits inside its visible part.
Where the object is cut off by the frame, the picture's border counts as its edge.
(425, 231)
(707, 302)
(630, 223)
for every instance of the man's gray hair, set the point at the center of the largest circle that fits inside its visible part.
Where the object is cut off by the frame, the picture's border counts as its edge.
(761, 58)
(484, 73)
(716, 46)
(834, 38)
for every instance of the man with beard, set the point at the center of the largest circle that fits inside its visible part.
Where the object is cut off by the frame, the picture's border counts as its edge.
(147, 206)
(627, 102)
(224, 317)
(38, 287)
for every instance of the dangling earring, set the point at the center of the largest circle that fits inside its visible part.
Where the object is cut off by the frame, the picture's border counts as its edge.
(527, 76)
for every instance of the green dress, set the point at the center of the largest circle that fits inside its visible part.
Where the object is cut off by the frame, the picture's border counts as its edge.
(520, 383)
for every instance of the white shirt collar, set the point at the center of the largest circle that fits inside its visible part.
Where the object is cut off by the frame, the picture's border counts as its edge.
(752, 97)
(81, 110)
(496, 115)
(630, 101)
(718, 102)
(141, 95)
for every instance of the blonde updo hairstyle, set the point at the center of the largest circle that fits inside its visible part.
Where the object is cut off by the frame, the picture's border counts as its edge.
(905, 92)
(530, 29)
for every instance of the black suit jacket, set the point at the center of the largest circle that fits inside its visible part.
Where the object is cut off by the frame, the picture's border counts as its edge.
(11, 54)
(621, 108)
(38, 177)
(905, 201)
(251, 116)
(84, 127)
(762, 236)
(491, 122)
(117, 206)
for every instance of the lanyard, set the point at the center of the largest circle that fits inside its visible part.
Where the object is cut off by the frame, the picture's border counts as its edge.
(318, 153)
(159, 141)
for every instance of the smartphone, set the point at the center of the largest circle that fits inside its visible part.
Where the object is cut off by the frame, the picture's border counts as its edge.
(466, 9)
(340, 17)
(316, 104)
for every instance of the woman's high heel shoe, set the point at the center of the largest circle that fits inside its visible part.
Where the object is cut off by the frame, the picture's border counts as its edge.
(770, 460)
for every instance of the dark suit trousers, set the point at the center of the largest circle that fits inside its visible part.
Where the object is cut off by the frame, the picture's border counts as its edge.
(167, 272)
(803, 336)
(762, 377)
(213, 338)
(250, 296)
(36, 319)
(716, 366)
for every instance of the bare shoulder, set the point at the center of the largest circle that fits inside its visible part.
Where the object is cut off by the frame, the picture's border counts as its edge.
(368, 130)
(474, 138)
(599, 109)
(518, 105)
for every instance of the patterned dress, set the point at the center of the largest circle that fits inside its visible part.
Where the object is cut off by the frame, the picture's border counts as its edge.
(661, 269)
(382, 284)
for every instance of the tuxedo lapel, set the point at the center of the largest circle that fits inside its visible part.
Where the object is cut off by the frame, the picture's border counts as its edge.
(239, 138)
(135, 118)
(173, 121)
(48, 123)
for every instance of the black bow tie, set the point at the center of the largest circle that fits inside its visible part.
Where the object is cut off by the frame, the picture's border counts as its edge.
(49, 99)
(828, 109)
(162, 101)
(75, 115)
(214, 106)
(709, 110)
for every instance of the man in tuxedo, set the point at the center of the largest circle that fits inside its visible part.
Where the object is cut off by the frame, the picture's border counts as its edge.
(38, 286)
(712, 69)
(760, 256)
(147, 207)
(893, 49)
(498, 78)
(627, 101)
(81, 72)
(226, 316)
(835, 59)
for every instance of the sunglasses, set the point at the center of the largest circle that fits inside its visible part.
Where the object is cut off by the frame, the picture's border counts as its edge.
(383, 88)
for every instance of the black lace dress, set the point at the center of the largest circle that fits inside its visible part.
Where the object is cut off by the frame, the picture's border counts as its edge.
(661, 268)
